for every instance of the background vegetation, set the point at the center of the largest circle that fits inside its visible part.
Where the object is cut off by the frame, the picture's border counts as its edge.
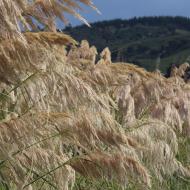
(150, 42)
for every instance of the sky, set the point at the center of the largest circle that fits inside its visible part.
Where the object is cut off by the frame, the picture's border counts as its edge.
(112, 9)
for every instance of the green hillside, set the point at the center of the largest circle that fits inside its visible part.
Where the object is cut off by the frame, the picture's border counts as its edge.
(150, 42)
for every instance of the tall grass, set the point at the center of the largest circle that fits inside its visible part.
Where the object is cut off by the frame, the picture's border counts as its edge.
(69, 121)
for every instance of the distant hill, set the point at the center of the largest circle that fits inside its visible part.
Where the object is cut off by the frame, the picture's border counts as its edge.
(150, 42)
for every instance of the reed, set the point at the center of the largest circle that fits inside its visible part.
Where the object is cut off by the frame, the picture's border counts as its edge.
(62, 115)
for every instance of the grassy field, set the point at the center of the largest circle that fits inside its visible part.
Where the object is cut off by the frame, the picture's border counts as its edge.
(71, 119)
